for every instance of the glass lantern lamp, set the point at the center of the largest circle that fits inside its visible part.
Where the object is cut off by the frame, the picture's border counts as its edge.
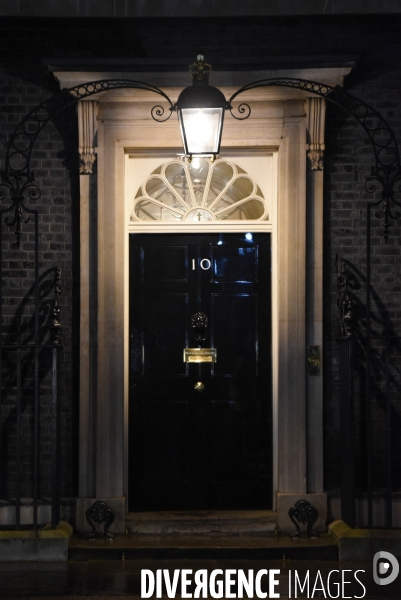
(200, 109)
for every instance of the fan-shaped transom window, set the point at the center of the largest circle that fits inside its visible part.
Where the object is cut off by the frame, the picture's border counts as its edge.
(199, 191)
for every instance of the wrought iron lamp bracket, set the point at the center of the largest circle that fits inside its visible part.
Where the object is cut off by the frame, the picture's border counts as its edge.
(22, 141)
(17, 175)
(385, 174)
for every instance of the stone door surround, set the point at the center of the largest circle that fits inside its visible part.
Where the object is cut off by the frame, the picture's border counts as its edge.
(283, 121)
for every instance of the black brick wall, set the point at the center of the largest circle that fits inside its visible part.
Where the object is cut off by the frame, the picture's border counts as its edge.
(55, 166)
(377, 80)
(348, 162)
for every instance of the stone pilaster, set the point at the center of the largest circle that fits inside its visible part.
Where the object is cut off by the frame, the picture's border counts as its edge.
(316, 110)
(316, 114)
(87, 127)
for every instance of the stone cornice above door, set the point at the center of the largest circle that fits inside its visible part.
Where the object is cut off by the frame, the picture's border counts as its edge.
(68, 77)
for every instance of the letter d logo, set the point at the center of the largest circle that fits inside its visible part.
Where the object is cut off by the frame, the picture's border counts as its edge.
(383, 568)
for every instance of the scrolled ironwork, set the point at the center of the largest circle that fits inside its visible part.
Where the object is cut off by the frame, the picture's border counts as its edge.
(55, 325)
(157, 113)
(303, 512)
(17, 220)
(386, 171)
(386, 152)
(347, 315)
(100, 512)
(242, 109)
(23, 138)
(17, 175)
(387, 180)
(18, 188)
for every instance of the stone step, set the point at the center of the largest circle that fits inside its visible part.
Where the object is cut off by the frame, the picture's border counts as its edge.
(204, 547)
(224, 522)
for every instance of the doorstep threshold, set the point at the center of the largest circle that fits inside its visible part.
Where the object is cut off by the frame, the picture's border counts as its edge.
(133, 547)
(224, 522)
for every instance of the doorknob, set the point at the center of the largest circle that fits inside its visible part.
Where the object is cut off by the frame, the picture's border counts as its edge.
(199, 386)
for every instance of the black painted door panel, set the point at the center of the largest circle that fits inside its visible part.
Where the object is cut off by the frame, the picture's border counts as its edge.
(213, 449)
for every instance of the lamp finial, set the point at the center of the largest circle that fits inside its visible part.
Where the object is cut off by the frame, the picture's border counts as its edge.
(200, 69)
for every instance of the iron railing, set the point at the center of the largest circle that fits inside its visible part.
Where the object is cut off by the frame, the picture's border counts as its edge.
(370, 413)
(30, 344)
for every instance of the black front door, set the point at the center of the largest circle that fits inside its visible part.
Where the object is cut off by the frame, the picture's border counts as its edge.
(200, 433)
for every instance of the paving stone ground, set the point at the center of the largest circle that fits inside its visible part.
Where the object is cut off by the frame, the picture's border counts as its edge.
(114, 579)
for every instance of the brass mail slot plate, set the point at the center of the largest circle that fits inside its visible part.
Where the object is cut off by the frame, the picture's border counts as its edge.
(200, 355)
